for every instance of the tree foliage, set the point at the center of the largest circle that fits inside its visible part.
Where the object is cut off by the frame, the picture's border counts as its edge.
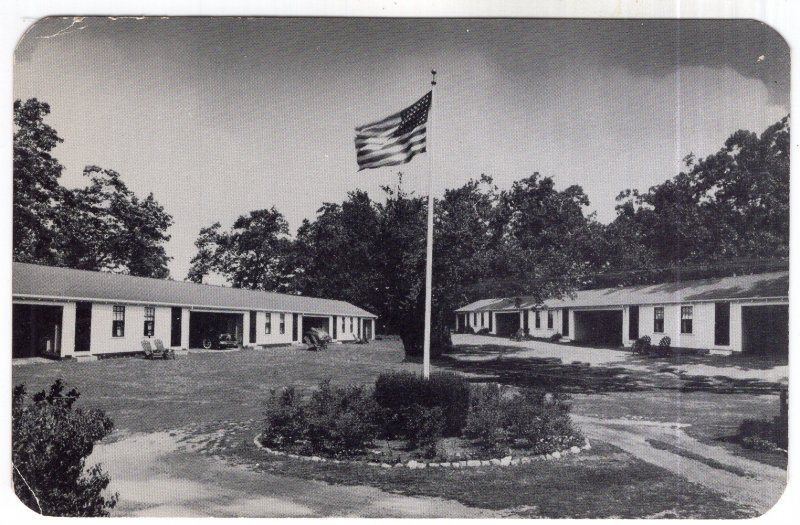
(726, 213)
(253, 254)
(50, 443)
(103, 226)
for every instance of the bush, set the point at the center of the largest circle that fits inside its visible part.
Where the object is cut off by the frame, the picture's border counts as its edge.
(284, 419)
(556, 337)
(341, 420)
(424, 427)
(395, 392)
(642, 345)
(483, 331)
(338, 421)
(50, 443)
(664, 346)
(499, 418)
(761, 434)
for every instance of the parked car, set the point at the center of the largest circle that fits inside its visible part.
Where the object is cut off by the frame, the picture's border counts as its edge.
(221, 341)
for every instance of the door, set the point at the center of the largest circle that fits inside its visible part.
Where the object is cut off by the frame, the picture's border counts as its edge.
(252, 327)
(633, 323)
(565, 322)
(722, 324)
(176, 327)
(368, 329)
(294, 327)
(335, 320)
(83, 326)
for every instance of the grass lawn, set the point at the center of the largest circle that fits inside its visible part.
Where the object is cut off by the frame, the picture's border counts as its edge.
(218, 398)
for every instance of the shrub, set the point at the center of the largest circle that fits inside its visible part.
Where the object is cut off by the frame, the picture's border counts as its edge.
(555, 337)
(664, 346)
(341, 420)
(335, 421)
(395, 392)
(50, 443)
(485, 421)
(424, 427)
(483, 331)
(499, 417)
(284, 419)
(642, 345)
(762, 434)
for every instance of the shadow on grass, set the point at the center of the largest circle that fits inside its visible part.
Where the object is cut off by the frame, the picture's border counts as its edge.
(548, 373)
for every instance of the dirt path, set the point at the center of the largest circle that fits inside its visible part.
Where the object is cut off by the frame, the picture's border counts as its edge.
(743, 480)
(156, 475)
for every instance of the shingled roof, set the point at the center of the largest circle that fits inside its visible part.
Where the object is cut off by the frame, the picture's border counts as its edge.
(758, 286)
(49, 282)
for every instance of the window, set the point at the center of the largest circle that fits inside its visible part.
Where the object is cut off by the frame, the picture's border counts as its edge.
(538, 319)
(475, 319)
(149, 321)
(118, 323)
(351, 325)
(549, 319)
(658, 319)
(282, 326)
(344, 321)
(686, 319)
(268, 324)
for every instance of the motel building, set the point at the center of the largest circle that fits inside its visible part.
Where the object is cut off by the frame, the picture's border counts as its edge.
(64, 313)
(747, 314)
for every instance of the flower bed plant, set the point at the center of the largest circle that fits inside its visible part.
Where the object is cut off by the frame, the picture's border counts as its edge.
(406, 418)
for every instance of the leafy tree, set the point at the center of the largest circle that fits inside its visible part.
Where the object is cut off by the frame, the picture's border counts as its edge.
(105, 226)
(36, 181)
(400, 260)
(333, 255)
(50, 443)
(726, 213)
(253, 254)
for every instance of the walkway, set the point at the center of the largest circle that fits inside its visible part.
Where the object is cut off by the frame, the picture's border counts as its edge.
(160, 477)
(666, 445)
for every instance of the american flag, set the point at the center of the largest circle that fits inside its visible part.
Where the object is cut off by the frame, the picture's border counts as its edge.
(395, 139)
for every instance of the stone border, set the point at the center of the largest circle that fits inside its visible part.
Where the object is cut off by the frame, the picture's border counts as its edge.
(507, 461)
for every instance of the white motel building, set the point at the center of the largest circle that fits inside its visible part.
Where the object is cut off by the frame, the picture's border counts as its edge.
(745, 314)
(65, 313)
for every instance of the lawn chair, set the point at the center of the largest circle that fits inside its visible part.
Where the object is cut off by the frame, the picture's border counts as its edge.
(162, 352)
(148, 350)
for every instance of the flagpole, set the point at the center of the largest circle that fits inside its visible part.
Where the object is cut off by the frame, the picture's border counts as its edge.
(426, 345)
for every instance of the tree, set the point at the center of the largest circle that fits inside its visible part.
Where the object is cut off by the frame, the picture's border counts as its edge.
(50, 443)
(253, 254)
(333, 255)
(36, 182)
(105, 226)
(726, 213)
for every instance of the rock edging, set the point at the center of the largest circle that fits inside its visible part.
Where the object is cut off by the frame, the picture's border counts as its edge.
(507, 461)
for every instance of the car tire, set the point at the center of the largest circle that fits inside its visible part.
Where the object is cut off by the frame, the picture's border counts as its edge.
(207, 343)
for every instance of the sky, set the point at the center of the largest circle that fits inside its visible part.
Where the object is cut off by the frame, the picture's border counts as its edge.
(220, 116)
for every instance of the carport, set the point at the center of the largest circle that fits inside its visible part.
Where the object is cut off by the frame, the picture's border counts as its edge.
(205, 324)
(318, 322)
(765, 330)
(507, 323)
(36, 330)
(600, 327)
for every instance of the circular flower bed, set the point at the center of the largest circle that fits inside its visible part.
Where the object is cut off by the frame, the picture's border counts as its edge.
(405, 420)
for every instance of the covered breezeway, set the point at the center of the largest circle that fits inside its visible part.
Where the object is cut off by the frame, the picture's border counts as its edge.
(765, 330)
(207, 326)
(36, 330)
(507, 323)
(598, 327)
